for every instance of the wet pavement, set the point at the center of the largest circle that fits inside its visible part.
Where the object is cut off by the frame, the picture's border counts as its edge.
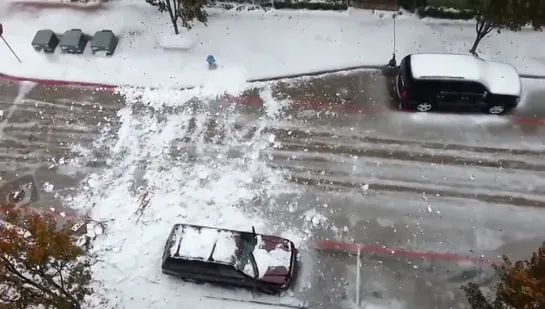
(398, 283)
(39, 126)
(470, 184)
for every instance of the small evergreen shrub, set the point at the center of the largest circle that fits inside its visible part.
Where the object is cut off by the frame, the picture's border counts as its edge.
(444, 13)
(303, 5)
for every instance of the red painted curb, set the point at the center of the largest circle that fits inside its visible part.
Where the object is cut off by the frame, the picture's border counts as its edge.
(528, 121)
(242, 100)
(56, 83)
(330, 245)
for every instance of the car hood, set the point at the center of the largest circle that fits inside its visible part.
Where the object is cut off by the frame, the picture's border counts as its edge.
(273, 258)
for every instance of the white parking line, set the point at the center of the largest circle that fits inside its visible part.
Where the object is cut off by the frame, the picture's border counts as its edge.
(358, 265)
(24, 89)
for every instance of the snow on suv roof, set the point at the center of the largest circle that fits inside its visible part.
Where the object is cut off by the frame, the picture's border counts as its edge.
(497, 77)
(201, 243)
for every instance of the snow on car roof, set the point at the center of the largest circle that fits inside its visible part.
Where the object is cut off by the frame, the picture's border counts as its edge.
(203, 242)
(497, 77)
(226, 247)
(268, 259)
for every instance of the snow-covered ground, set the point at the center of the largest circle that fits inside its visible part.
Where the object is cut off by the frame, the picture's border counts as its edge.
(252, 44)
(207, 187)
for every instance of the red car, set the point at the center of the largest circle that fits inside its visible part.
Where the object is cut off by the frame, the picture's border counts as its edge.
(198, 254)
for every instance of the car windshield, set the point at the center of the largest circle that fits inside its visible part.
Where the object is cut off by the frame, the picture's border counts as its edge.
(246, 260)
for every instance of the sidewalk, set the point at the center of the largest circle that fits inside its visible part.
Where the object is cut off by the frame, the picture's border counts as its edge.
(248, 46)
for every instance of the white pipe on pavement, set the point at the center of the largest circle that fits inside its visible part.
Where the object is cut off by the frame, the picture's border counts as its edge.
(358, 277)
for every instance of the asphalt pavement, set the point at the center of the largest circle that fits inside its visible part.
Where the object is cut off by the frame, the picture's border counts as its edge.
(436, 183)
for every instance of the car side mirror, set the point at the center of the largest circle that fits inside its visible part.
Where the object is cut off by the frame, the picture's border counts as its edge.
(485, 94)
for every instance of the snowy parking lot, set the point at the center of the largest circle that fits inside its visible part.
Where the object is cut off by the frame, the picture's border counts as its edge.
(356, 172)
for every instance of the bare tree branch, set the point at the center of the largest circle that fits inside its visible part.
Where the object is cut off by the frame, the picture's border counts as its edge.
(36, 258)
(511, 15)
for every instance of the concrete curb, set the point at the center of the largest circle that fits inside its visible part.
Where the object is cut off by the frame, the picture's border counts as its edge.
(41, 5)
(318, 73)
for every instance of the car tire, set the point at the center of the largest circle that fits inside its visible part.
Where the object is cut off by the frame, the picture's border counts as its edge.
(497, 109)
(424, 107)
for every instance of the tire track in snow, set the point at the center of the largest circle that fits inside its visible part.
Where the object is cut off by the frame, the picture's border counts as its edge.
(495, 175)
(506, 176)
(294, 140)
(314, 158)
(416, 155)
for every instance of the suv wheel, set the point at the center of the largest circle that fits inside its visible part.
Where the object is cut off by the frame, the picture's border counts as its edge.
(496, 109)
(424, 107)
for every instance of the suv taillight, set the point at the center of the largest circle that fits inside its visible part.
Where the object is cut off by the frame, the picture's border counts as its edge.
(404, 93)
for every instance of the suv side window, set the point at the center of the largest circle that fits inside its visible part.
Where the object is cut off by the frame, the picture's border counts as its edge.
(475, 88)
(463, 87)
(454, 87)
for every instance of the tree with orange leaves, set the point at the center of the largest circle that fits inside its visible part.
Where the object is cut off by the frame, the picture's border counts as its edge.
(40, 265)
(521, 286)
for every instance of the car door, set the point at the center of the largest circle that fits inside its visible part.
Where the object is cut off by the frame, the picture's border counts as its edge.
(475, 93)
(231, 275)
(457, 94)
(207, 271)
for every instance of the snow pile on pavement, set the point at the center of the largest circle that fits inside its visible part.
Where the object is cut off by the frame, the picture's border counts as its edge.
(166, 168)
(261, 44)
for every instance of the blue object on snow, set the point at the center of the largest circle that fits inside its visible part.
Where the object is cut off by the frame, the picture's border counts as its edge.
(210, 59)
(211, 62)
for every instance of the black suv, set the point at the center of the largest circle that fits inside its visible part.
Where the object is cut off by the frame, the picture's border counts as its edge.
(195, 253)
(464, 82)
